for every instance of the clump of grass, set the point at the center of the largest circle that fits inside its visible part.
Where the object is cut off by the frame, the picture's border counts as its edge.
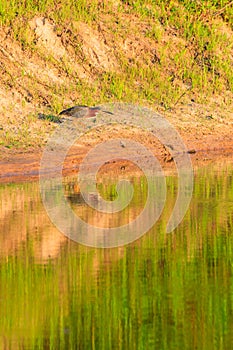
(50, 117)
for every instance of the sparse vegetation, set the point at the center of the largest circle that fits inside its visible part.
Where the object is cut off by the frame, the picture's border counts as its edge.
(158, 53)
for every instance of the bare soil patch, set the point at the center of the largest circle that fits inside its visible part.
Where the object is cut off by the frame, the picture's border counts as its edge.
(206, 144)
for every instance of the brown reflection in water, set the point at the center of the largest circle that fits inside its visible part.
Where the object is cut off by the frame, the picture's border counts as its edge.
(23, 218)
(101, 219)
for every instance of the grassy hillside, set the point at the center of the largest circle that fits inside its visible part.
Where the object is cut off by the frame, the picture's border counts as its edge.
(158, 53)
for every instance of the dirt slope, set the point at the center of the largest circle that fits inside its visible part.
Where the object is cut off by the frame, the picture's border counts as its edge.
(59, 67)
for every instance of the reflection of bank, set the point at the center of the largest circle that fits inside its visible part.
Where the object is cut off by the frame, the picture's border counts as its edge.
(24, 221)
(98, 218)
(97, 227)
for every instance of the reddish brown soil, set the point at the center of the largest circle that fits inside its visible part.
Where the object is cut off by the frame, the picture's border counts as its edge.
(203, 149)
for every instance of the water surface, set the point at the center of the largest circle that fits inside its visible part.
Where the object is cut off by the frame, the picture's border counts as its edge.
(163, 291)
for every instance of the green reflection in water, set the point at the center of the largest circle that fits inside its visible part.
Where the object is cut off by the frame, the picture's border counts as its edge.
(164, 291)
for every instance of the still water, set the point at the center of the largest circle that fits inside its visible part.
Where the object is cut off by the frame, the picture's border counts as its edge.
(163, 291)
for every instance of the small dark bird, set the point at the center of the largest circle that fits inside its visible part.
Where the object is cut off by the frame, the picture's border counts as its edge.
(82, 111)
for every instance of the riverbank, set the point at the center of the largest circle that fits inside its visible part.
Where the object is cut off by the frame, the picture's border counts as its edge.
(172, 57)
(206, 133)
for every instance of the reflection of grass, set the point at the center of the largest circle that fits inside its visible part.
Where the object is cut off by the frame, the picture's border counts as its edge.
(142, 293)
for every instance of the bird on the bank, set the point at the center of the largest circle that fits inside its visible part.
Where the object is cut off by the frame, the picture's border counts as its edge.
(82, 111)
(78, 111)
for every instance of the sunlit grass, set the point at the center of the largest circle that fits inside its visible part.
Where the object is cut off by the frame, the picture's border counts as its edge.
(187, 52)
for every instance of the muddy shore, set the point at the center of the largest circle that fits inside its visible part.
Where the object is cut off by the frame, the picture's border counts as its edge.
(203, 148)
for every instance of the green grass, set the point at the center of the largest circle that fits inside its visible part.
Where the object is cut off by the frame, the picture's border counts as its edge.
(199, 23)
(181, 50)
